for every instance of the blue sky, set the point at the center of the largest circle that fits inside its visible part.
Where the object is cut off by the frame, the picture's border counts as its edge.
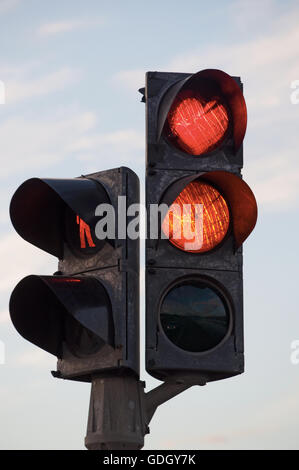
(72, 70)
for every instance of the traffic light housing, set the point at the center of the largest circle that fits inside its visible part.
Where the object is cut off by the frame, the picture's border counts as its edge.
(87, 313)
(194, 293)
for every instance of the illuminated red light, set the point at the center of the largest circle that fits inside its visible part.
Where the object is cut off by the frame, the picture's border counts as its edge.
(64, 280)
(84, 231)
(197, 125)
(215, 218)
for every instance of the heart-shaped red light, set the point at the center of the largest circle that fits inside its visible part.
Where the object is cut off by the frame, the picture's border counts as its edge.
(197, 125)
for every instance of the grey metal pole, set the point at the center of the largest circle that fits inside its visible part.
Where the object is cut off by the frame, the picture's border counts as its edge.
(120, 411)
(115, 418)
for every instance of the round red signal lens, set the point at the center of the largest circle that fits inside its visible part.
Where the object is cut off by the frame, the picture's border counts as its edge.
(180, 222)
(197, 124)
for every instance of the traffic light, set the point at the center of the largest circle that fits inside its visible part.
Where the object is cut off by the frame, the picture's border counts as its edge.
(201, 211)
(87, 313)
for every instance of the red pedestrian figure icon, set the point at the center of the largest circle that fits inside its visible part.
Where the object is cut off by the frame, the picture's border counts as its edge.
(85, 234)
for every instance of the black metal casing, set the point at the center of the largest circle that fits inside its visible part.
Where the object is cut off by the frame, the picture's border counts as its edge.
(118, 271)
(115, 267)
(165, 264)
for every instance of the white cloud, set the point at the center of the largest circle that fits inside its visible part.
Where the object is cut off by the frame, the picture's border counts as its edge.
(272, 417)
(35, 358)
(124, 147)
(4, 317)
(131, 79)
(128, 138)
(244, 13)
(21, 259)
(6, 5)
(275, 181)
(128, 143)
(267, 64)
(65, 26)
(68, 134)
(20, 87)
(39, 144)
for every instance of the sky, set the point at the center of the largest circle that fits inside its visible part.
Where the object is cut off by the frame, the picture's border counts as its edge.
(71, 72)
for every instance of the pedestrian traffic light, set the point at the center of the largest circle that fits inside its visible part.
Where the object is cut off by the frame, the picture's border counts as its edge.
(201, 212)
(87, 313)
